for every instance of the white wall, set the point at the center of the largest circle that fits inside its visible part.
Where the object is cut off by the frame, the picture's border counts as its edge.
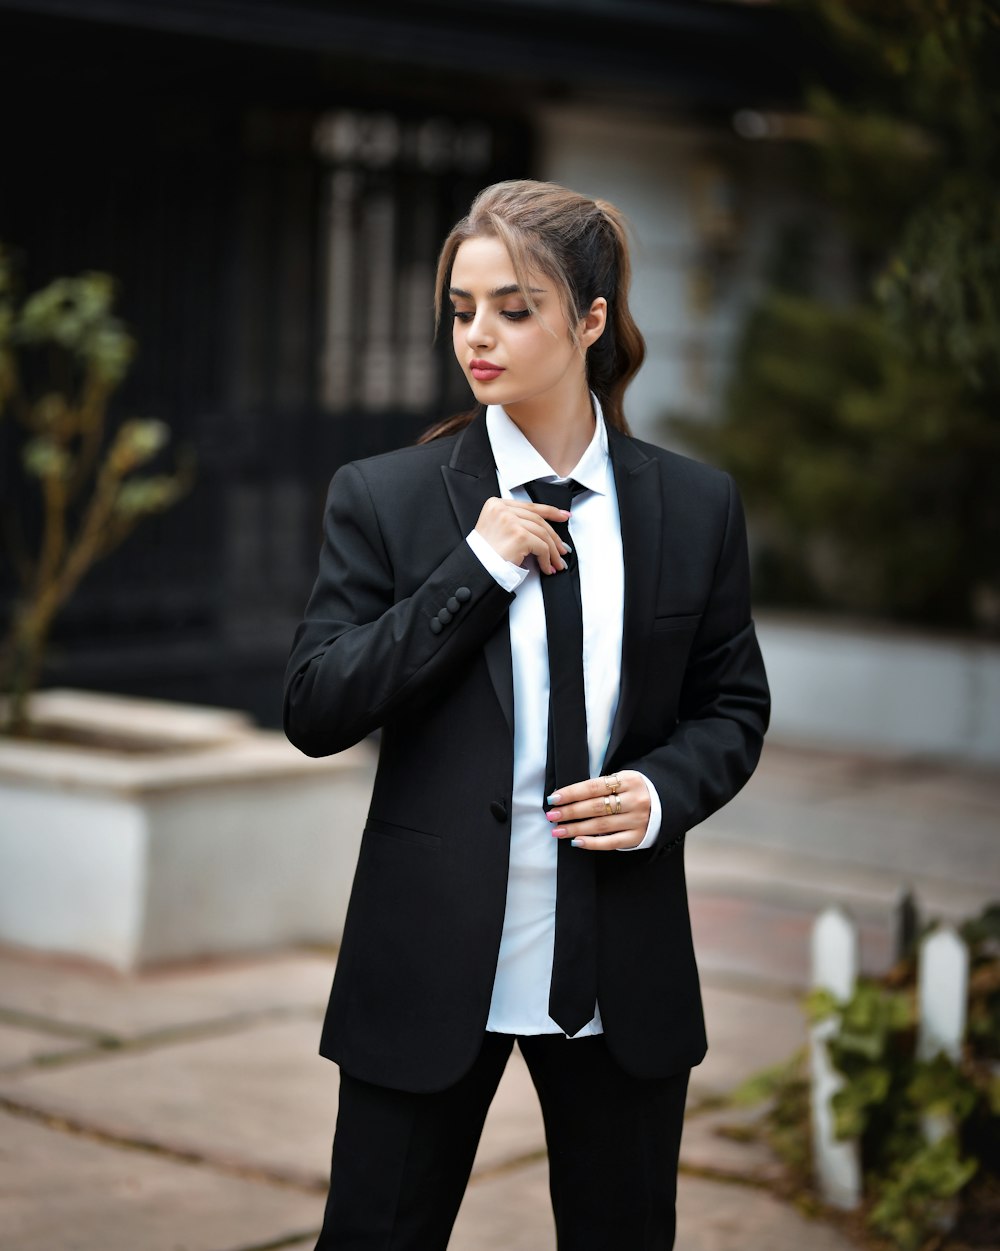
(210, 846)
(72, 871)
(681, 188)
(861, 688)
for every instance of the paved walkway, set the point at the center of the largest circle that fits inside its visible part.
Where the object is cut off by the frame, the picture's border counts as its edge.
(187, 1109)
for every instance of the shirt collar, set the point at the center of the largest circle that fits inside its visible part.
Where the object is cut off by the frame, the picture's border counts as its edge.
(518, 462)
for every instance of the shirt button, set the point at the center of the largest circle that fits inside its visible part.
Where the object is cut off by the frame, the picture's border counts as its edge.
(463, 595)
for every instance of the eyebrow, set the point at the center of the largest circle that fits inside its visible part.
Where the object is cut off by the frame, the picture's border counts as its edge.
(497, 292)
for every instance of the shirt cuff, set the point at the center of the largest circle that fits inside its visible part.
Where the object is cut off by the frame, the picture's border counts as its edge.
(509, 576)
(655, 817)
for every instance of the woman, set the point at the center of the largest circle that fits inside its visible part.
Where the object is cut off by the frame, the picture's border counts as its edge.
(521, 872)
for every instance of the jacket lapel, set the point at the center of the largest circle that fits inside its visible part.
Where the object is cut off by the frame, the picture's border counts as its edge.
(471, 479)
(640, 506)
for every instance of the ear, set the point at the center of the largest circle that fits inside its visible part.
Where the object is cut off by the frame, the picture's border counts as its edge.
(592, 323)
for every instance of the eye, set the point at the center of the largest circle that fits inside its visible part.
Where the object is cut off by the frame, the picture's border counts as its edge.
(460, 315)
(516, 314)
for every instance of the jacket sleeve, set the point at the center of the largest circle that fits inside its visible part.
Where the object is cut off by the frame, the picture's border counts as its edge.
(361, 655)
(724, 703)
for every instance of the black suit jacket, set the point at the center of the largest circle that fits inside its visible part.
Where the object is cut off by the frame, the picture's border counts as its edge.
(418, 958)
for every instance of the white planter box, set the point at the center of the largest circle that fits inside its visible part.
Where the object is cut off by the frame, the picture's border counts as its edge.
(866, 687)
(227, 839)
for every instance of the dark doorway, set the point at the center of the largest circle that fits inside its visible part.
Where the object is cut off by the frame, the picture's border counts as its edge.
(275, 239)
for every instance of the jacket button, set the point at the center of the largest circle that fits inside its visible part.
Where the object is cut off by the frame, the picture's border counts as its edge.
(453, 604)
(436, 626)
(499, 809)
(463, 595)
(444, 616)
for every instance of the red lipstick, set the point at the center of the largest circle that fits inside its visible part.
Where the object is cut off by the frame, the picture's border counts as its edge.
(484, 371)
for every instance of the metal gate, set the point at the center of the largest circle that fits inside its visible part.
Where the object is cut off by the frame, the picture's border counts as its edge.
(277, 270)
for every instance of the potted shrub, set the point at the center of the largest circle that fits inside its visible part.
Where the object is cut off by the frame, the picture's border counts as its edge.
(63, 353)
(133, 831)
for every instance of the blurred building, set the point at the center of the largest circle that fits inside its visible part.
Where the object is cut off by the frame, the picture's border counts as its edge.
(270, 182)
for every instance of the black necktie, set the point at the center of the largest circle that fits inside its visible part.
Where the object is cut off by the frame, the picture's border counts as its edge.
(573, 992)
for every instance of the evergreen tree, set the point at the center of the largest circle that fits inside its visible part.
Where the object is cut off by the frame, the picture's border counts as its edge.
(866, 433)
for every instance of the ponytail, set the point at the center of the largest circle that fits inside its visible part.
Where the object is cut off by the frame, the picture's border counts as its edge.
(614, 360)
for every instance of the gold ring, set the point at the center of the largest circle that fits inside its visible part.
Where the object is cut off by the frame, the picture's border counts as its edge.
(613, 783)
(607, 806)
(618, 804)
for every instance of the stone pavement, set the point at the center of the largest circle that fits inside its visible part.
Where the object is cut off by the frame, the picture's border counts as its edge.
(187, 1110)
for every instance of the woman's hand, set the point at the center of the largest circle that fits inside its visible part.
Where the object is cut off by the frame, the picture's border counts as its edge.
(590, 814)
(515, 530)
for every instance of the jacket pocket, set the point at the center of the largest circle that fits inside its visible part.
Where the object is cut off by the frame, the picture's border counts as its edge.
(687, 621)
(403, 834)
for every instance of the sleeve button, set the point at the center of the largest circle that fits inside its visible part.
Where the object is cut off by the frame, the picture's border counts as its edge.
(444, 616)
(463, 595)
(436, 626)
(453, 605)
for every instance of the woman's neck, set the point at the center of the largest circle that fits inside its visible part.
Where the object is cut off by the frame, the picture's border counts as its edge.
(559, 433)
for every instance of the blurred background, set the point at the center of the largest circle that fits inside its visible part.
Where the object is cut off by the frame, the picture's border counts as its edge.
(813, 192)
(269, 185)
(814, 188)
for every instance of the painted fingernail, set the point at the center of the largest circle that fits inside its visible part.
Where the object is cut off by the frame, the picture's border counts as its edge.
(568, 551)
(555, 797)
(554, 815)
(575, 843)
(558, 831)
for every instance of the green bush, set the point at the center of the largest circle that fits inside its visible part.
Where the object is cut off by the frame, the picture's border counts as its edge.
(871, 477)
(865, 431)
(917, 1184)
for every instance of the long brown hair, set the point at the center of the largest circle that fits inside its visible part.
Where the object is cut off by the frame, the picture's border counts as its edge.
(579, 244)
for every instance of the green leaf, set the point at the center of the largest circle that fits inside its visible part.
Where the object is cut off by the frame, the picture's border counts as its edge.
(110, 351)
(985, 929)
(939, 1088)
(44, 458)
(75, 314)
(912, 1201)
(820, 1005)
(139, 496)
(137, 442)
(769, 1082)
(850, 1114)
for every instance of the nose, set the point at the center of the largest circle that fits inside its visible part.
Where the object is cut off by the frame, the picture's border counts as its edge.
(477, 331)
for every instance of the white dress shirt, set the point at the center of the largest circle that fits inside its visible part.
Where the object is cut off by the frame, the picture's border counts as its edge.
(524, 970)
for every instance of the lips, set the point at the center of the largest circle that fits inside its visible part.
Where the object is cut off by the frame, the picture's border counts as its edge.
(484, 371)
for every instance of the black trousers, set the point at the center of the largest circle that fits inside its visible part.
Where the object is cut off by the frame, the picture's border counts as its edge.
(401, 1161)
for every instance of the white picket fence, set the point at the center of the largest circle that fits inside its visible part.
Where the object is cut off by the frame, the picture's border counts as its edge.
(942, 992)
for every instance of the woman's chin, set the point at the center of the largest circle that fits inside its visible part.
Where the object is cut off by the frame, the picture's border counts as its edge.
(492, 392)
